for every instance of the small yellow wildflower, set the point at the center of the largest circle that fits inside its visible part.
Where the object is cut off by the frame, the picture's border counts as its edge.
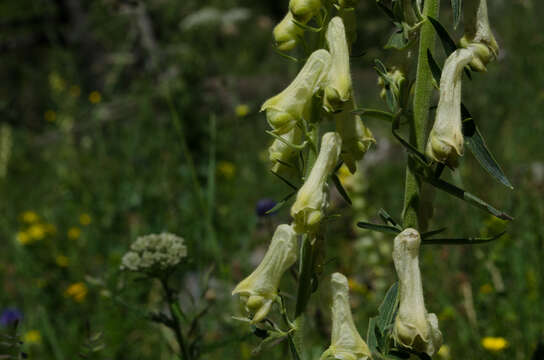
(76, 291)
(486, 289)
(56, 82)
(75, 91)
(444, 352)
(494, 343)
(62, 261)
(32, 337)
(84, 219)
(29, 217)
(74, 233)
(242, 110)
(226, 169)
(36, 232)
(95, 97)
(50, 116)
(22, 238)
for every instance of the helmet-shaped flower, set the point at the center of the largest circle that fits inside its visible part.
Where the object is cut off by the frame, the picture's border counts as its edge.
(287, 34)
(414, 327)
(338, 84)
(478, 35)
(284, 110)
(260, 289)
(280, 152)
(304, 10)
(346, 343)
(311, 201)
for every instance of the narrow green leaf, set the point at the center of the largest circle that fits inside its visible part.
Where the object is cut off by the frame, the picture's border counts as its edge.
(340, 188)
(462, 241)
(447, 42)
(280, 203)
(284, 180)
(432, 232)
(374, 113)
(476, 144)
(380, 67)
(371, 338)
(435, 69)
(386, 10)
(388, 218)
(388, 308)
(377, 227)
(466, 196)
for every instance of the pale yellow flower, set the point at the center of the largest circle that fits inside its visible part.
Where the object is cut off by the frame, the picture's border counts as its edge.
(95, 97)
(29, 217)
(293, 104)
(346, 342)
(259, 290)
(444, 352)
(226, 169)
(494, 343)
(242, 110)
(36, 231)
(32, 337)
(23, 238)
(304, 10)
(76, 291)
(62, 261)
(414, 328)
(478, 35)
(338, 85)
(287, 34)
(74, 233)
(85, 219)
(307, 210)
(280, 152)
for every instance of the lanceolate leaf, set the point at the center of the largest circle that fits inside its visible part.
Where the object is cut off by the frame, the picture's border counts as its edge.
(375, 114)
(466, 196)
(431, 233)
(340, 188)
(388, 308)
(371, 338)
(411, 149)
(435, 69)
(462, 241)
(388, 218)
(445, 38)
(280, 203)
(377, 227)
(476, 143)
(457, 6)
(287, 182)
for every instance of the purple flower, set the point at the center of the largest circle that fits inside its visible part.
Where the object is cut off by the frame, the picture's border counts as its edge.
(263, 206)
(9, 316)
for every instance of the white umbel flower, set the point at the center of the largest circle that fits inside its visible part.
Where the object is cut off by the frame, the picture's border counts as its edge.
(307, 210)
(284, 110)
(346, 343)
(155, 253)
(260, 289)
(414, 327)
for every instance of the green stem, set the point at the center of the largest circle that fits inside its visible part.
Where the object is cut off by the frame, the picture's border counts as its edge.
(422, 99)
(177, 318)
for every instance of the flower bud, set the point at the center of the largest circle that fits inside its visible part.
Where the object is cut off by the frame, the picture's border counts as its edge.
(304, 10)
(311, 200)
(285, 109)
(260, 289)
(346, 343)
(479, 34)
(338, 85)
(356, 137)
(287, 33)
(414, 328)
(280, 152)
(445, 142)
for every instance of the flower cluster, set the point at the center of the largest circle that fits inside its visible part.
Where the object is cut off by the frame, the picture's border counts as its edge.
(154, 254)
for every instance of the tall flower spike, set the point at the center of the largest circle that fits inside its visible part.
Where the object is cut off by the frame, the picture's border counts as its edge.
(346, 343)
(304, 10)
(260, 289)
(284, 110)
(445, 142)
(280, 152)
(478, 35)
(311, 200)
(356, 137)
(414, 327)
(338, 85)
(287, 34)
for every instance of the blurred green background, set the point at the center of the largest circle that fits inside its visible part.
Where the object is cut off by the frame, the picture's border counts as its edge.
(123, 118)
